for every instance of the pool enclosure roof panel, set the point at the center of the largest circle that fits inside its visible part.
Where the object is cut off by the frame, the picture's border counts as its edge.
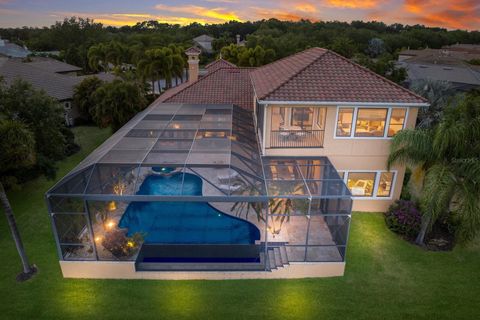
(216, 142)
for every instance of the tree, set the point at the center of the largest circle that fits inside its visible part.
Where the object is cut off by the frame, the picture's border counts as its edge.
(448, 155)
(438, 94)
(248, 57)
(98, 57)
(83, 96)
(116, 103)
(18, 151)
(44, 117)
(375, 47)
(344, 46)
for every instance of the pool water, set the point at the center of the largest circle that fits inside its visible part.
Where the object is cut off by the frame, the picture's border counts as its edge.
(183, 222)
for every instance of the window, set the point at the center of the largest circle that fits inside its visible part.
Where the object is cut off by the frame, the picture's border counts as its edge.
(385, 184)
(344, 122)
(374, 185)
(397, 121)
(371, 122)
(302, 117)
(360, 122)
(361, 184)
(320, 119)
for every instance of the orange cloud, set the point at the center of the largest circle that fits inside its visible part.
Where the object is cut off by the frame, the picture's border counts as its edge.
(282, 14)
(459, 14)
(305, 7)
(353, 4)
(213, 14)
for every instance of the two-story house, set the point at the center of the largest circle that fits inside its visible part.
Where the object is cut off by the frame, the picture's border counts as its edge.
(243, 173)
(318, 103)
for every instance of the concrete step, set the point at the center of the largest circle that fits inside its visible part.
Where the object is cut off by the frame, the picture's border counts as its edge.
(271, 260)
(278, 259)
(284, 255)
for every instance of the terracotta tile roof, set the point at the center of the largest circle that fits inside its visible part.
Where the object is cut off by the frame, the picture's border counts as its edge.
(193, 50)
(218, 64)
(321, 75)
(223, 86)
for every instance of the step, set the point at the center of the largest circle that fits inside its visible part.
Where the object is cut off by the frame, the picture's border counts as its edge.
(278, 259)
(284, 255)
(271, 260)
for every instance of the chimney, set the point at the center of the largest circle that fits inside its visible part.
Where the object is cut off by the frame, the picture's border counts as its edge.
(193, 54)
(238, 39)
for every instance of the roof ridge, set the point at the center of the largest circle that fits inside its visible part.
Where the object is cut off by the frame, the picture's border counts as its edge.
(301, 69)
(221, 60)
(378, 76)
(195, 82)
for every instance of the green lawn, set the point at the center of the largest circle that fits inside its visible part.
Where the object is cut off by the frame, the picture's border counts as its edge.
(386, 278)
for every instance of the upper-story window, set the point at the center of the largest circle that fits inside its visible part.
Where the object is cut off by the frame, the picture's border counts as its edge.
(344, 122)
(364, 122)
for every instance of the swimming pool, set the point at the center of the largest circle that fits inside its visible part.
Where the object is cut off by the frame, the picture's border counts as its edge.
(183, 222)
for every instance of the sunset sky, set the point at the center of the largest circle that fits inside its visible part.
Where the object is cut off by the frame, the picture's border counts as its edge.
(452, 14)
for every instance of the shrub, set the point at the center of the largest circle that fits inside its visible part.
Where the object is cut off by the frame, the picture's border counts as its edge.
(404, 217)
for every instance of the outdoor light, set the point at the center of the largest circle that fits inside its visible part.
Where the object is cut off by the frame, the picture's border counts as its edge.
(112, 206)
(98, 239)
(176, 126)
(110, 224)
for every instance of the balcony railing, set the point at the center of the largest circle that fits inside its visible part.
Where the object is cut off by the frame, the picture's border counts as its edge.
(296, 138)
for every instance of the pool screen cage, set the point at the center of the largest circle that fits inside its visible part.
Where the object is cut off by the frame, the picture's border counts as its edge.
(300, 203)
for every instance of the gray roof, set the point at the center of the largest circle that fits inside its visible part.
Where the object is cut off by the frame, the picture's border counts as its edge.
(53, 65)
(60, 87)
(204, 38)
(451, 73)
(12, 50)
(205, 42)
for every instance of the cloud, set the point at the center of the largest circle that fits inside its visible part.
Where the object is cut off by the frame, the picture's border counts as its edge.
(353, 4)
(305, 7)
(207, 14)
(459, 14)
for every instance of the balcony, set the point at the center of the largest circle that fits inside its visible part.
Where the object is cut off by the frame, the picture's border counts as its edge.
(296, 138)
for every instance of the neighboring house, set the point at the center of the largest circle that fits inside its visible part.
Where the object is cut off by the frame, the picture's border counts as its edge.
(56, 78)
(447, 64)
(12, 50)
(204, 42)
(243, 173)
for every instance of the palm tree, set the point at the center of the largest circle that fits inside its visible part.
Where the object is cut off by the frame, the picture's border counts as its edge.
(438, 94)
(98, 56)
(448, 155)
(18, 151)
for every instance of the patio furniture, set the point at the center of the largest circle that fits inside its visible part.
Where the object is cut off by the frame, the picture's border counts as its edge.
(233, 175)
(231, 188)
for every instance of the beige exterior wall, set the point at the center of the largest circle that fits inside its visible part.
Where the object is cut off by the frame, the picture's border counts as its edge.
(126, 270)
(369, 154)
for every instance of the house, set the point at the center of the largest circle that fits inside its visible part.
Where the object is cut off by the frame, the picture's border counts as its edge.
(12, 50)
(56, 78)
(450, 64)
(241, 173)
(204, 42)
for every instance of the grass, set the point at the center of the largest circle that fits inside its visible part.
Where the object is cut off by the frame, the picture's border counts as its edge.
(386, 278)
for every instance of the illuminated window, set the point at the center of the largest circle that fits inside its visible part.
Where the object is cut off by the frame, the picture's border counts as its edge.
(361, 184)
(302, 117)
(397, 121)
(320, 119)
(371, 122)
(344, 122)
(385, 184)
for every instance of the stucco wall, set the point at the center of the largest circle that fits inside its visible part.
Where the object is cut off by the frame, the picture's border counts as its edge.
(126, 270)
(350, 154)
